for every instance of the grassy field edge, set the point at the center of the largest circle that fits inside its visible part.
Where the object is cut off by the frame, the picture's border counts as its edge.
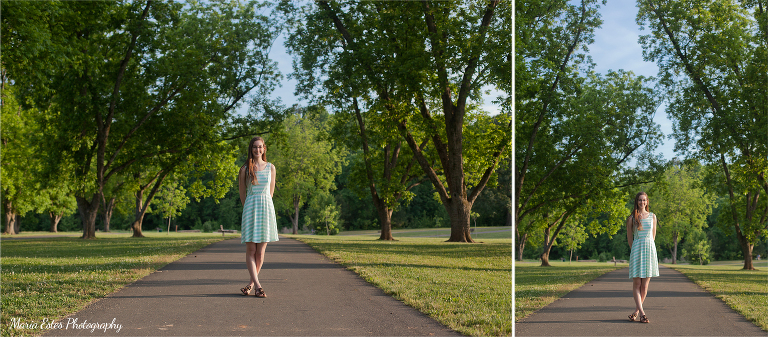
(737, 288)
(429, 283)
(536, 287)
(80, 279)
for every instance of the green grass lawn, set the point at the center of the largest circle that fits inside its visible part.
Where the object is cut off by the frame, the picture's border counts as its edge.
(536, 287)
(467, 287)
(51, 278)
(746, 291)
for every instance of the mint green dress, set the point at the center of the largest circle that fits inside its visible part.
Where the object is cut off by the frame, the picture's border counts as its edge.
(642, 259)
(259, 223)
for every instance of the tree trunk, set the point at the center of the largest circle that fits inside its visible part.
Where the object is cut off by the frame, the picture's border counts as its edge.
(385, 216)
(138, 215)
(570, 257)
(295, 217)
(458, 211)
(547, 246)
(108, 208)
(55, 218)
(521, 246)
(17, 224)
(746, 247)
(88, 212)
(746, 250)
(10, 218)
(549, 241)
(674, 250)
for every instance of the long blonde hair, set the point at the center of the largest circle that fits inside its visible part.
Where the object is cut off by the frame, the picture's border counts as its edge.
(250, 163)
(636, 211)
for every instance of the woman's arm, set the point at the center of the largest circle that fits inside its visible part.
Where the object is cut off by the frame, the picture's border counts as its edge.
(241, 184)
(272, 181)
(630, 234)
(654, 227)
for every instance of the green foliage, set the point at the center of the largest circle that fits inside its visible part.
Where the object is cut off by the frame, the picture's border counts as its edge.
(208, 226)
(19, 155)
(171, 199)
(576, 130)
(374, 62)
(696, 248)
(573, 236)
(323, 214)
(306, 162)
(142, 87)
(681, 203)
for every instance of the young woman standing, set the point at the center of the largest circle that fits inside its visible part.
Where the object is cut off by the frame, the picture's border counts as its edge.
(643, 263)
(259, 225)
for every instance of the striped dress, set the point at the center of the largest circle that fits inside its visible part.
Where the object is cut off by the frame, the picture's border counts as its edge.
(642, 260)
(259, 222)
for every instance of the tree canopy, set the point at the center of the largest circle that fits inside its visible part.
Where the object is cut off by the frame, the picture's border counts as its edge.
(713, 61)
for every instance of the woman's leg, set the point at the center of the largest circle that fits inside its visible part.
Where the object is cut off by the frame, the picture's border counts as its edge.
(250, 261)
(259, 255)
(636, 282)
(644, 288)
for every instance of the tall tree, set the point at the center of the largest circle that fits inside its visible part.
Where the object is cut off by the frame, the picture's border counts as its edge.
(713, 60)
(306, 163)
(19, 159)
(133, 68)
(422, 65)
(387, 167)
(681, 204)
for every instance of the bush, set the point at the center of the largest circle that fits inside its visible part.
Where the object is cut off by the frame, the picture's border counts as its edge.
(603, 257)
(209, 226)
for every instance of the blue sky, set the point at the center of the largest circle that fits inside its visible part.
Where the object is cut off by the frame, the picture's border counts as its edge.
(616, 47)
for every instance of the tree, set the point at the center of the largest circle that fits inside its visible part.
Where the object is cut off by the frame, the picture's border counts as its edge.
(681, 204)
(323, 214)
(18, 155)
(386, 168)
(576, 131)
(573, 237)
(696, 248)
(171, 199)
(421, 65)
(306, 164)
(713, 61)
(57, 201)
(136, 73)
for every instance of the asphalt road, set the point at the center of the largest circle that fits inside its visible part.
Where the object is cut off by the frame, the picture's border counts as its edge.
(199, 295)
(674, 305)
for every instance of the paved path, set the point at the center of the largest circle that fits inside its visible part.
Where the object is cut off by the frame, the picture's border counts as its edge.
(675, 306)
(199, 295)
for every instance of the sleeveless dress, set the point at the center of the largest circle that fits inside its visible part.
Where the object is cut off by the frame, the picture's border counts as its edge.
(642, 260)
(259, 223)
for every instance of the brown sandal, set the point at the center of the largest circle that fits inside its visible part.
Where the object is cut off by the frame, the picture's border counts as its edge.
(633, 316)
(644, 319)
(260, 293)
(246, 290)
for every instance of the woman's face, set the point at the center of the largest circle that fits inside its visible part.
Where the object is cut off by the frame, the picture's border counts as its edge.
(258, 149)
(642, 201)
